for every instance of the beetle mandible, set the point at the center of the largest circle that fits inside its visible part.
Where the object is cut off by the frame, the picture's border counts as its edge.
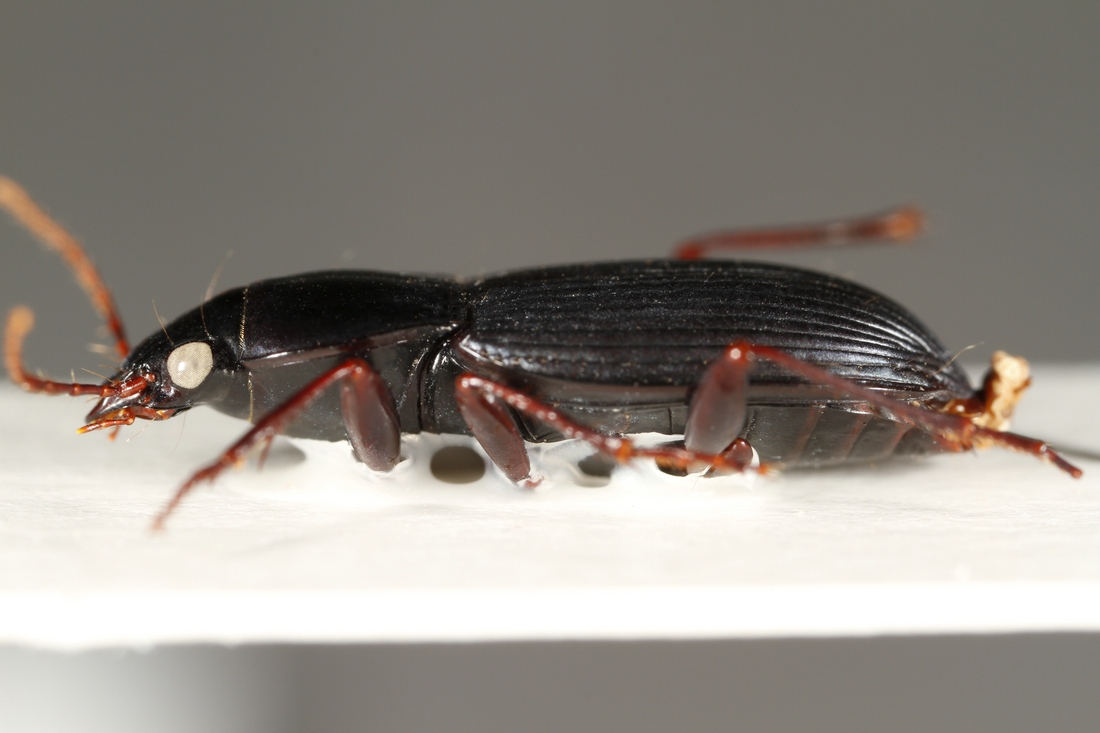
(804, 368)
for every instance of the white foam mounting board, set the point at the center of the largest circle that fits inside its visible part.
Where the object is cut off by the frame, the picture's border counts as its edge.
(314, 550)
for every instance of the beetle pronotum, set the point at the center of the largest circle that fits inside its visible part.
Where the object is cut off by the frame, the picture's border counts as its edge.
(804, 368)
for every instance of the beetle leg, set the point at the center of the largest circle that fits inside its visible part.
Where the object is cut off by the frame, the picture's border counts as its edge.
(717, 411)
(738, 453)
(369, 417)
(493, 426)
(898, 225)
(478, 390)
(955, 432)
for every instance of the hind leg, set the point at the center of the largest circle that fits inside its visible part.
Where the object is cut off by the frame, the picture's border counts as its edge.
(721, 394)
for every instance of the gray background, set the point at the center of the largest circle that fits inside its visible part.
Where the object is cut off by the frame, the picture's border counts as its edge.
(484, 137)
(465, 138)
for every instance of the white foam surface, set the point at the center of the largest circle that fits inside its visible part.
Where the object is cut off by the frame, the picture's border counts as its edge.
(315, 549)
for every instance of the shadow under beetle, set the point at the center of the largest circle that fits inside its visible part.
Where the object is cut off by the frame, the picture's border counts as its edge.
(805, 368)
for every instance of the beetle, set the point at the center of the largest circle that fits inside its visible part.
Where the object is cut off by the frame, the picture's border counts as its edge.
(800, 368)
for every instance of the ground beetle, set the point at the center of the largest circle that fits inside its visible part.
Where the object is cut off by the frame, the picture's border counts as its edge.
(805, 368)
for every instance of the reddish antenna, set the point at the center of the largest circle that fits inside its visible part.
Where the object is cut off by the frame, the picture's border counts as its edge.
(25, 211)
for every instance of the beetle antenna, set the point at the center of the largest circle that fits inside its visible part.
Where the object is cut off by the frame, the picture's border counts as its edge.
(25, 211)
(19, 324)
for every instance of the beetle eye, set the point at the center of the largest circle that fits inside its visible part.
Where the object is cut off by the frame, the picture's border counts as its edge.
(189, 364)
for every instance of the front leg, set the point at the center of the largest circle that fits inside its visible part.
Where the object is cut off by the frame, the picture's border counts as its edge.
(369, 418)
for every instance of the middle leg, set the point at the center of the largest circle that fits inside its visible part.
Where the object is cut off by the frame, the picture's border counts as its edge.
(484, 405)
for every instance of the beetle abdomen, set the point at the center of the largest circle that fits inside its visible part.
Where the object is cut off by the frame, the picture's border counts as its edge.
(807, 434)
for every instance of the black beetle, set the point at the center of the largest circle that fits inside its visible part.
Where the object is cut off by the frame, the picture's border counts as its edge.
(805, 368)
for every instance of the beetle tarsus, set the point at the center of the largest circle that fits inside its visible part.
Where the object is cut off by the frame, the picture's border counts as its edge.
(898, 225)
(983, 437)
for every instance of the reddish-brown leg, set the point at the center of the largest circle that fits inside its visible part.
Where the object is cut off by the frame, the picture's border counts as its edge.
(370, 418)
(493, 426)
(738, 453)
(899, 225)
(365, 393)
(478, 390)
(954, 432)
(717, 411)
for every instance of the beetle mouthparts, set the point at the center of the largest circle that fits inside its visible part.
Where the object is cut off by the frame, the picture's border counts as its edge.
(122, 416)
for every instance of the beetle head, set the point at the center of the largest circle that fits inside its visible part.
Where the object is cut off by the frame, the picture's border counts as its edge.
(176, 368)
